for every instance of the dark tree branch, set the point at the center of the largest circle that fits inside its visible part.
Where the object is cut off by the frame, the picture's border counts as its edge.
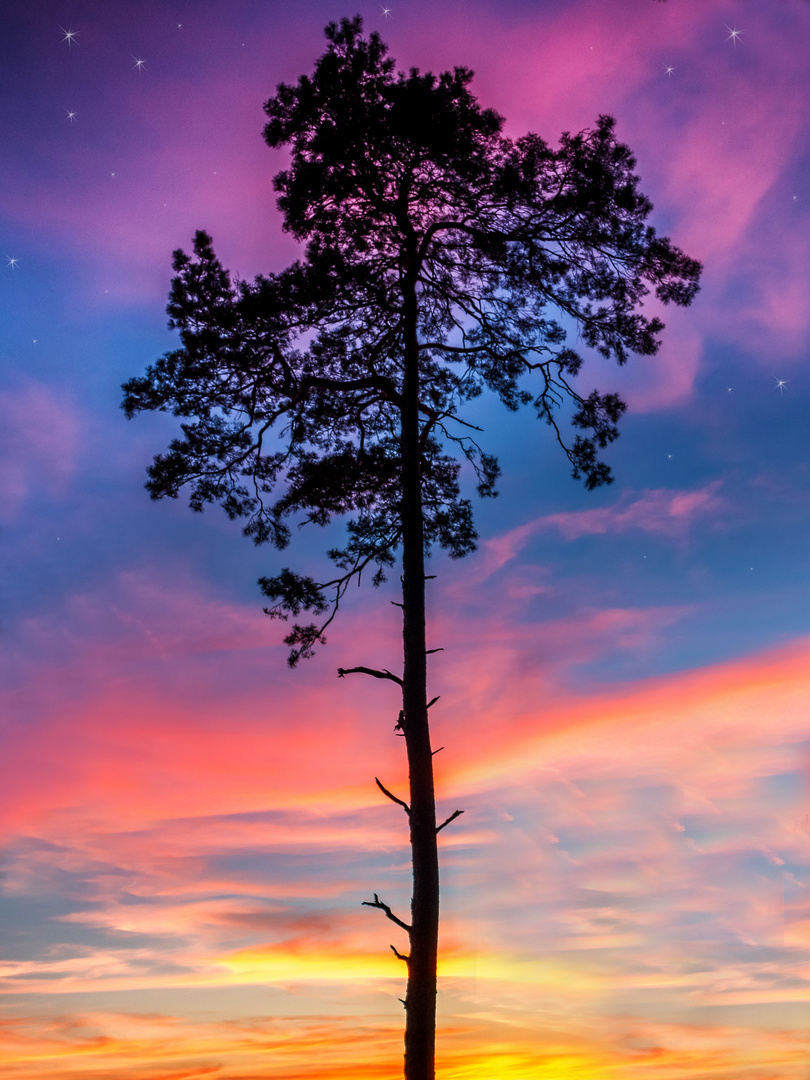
(453, 816)
(385, 674)
(372, 382)
(377, 903)
(393, 798)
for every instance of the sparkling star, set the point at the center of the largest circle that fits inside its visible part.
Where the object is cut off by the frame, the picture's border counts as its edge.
(70, 36)
(780, 385)
(139, 64)
(386, 12)
(71, 116)
(12, 261)
(669, 70)
(734, 35)
(669, 457)
(730, 389)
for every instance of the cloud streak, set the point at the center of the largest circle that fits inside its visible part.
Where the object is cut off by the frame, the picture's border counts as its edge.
(660, 512)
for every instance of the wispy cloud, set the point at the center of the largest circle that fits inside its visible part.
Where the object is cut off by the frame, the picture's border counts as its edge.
(39, 446)
(660, 511)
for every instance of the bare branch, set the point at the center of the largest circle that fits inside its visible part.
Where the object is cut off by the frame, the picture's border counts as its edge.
(428, 345)
(400, 956)
(386, 674)
(433, 701)
(433, 753)
(376, 902)
(377, 382)
(429, 651)
(393, 798)
(453, 816)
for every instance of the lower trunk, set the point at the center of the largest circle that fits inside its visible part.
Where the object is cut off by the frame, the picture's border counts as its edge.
(420, 1000)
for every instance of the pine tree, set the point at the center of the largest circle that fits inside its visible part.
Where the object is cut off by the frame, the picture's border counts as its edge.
(441, 260)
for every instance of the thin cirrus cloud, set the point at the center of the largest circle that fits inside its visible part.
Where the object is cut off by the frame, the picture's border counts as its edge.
(661, 862)
(36, 455)
(661, 512)
(139, 673)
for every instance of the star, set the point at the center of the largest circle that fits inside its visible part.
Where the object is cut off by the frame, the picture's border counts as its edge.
(780, 385)
(71, 116)
(669, 457)
(70, 36)
(139, 64)
(734, 35)
(12, 261)
(386, 12)
(730, 389)
(669, 70)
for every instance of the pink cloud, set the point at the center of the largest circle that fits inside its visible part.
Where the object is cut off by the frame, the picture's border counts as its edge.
(39, 446)
(714, 159)
(632, 810)
(659, 511)
(666, 380)
(635, 839)
(663, 512)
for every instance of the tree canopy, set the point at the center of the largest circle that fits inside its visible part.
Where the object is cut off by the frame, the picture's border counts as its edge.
(291, 385)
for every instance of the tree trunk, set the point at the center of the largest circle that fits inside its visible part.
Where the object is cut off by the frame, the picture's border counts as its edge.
(420, 999)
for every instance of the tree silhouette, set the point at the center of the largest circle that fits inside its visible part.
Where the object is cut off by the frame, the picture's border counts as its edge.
(442, 259)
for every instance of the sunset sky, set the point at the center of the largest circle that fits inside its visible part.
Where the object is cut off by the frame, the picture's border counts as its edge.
(188, 827)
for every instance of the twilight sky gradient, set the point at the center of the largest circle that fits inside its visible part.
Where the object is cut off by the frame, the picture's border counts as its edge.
(188, 827)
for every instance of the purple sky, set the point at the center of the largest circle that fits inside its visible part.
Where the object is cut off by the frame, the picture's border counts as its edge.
(188, 827)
